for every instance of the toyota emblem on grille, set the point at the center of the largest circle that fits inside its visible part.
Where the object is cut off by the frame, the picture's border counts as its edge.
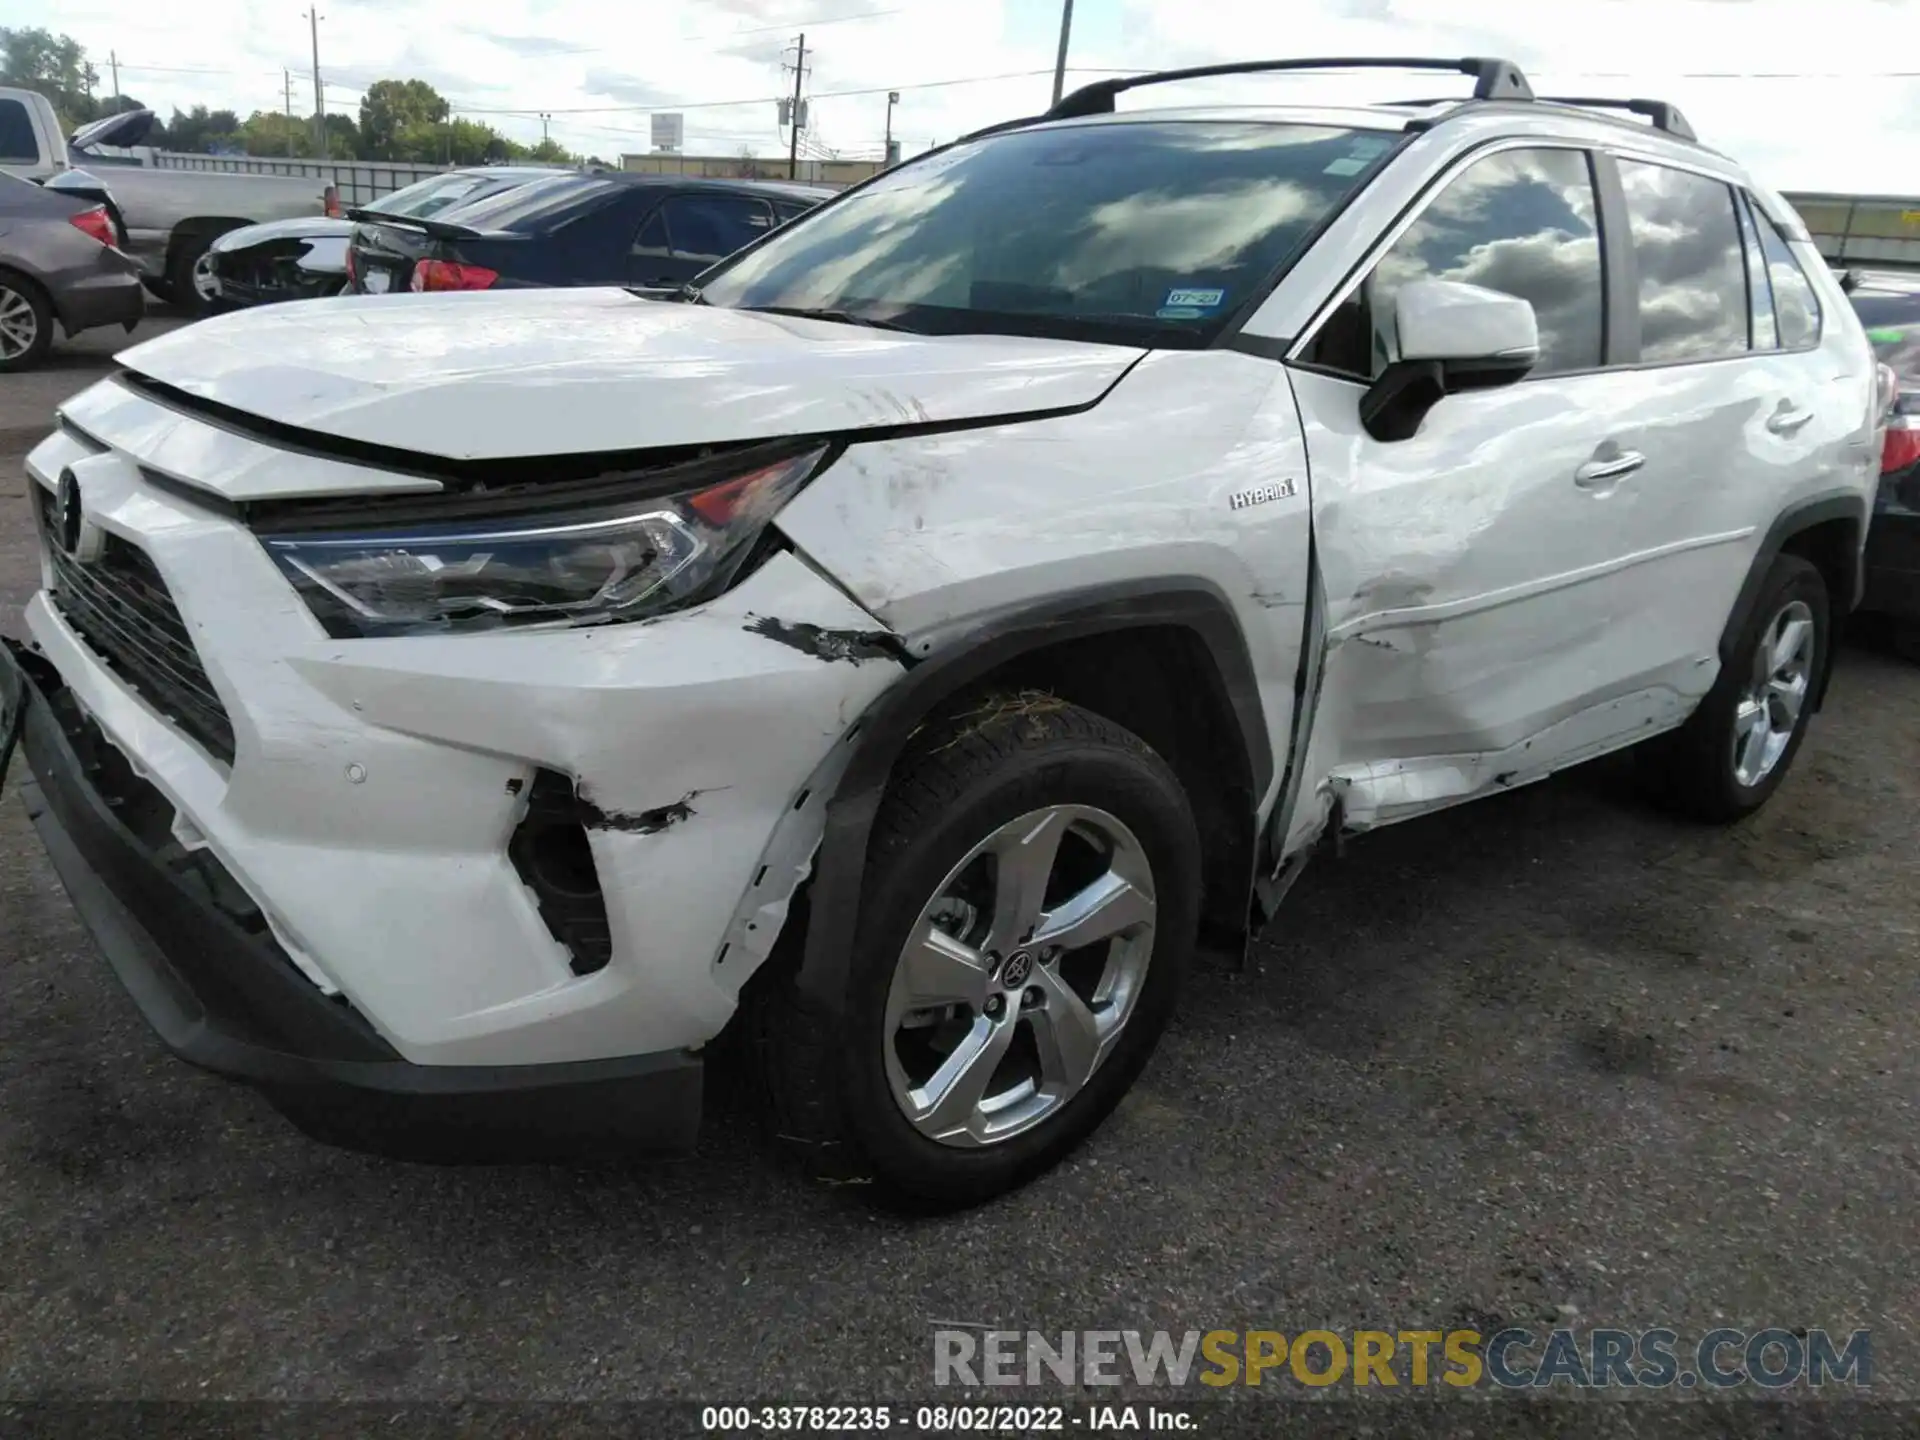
(72, 517)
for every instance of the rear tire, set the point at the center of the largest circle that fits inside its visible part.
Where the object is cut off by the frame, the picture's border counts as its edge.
(1730, 757)
(1061, 1030)
(187, 275)
(26, 323)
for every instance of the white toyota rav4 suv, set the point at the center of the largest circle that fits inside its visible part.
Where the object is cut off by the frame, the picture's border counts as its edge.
(922, 635)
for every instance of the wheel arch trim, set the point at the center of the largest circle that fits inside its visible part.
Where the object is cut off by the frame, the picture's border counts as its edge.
(1188, 602)
(1848, 505)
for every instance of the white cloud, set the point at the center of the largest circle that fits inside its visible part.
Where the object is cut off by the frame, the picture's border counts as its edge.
(1848, 132)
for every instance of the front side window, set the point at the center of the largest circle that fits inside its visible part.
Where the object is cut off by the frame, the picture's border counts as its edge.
(1794, 302)
(1519, 221)
(1693, 275)
(1147, 232)
(709, 227)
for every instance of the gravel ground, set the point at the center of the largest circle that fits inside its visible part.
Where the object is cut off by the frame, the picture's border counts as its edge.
(1547, 1059)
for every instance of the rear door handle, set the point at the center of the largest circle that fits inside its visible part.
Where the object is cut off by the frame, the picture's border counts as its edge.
(1786, 422)
(1599, 474)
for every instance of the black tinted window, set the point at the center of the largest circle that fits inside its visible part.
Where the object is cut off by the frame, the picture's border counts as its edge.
(1693, 272)
(1794, 303)
(17, 142)
(1155, 231)
(708, 227)
(652, 239)
(1520, 222)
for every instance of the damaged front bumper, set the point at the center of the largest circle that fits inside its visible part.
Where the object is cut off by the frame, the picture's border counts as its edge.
(221, 993)
(519, 861)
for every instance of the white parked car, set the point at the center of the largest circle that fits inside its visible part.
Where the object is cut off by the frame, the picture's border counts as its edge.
(453, 710)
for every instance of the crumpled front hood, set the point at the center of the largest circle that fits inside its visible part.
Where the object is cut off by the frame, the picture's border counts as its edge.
(500, 374)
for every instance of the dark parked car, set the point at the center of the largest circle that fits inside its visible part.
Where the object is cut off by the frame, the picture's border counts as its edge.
(574, 229)
(1890, 311)
(58, 265)
(306, 258)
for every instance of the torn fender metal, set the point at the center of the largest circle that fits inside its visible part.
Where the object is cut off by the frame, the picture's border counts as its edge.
(690, 739)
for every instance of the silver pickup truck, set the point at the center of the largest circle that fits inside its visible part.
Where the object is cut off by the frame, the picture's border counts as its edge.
(168, 218)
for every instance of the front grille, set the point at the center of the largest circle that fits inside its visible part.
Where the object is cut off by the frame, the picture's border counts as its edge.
(121, 607)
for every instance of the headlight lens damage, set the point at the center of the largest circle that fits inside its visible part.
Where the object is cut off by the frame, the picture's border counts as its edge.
(591, 566)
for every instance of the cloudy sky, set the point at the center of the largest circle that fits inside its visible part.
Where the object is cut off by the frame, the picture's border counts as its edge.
(1806, 94)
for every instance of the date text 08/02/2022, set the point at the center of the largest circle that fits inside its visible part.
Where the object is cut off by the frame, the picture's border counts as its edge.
(947, 1419)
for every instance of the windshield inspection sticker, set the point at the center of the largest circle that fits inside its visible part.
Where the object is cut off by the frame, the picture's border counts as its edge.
(1193, 299)
(1349, 166)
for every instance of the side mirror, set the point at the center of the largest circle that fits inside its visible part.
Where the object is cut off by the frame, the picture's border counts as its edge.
(1449, 337)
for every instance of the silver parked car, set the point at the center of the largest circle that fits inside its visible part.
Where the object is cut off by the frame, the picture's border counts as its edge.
(59, 265)
(305, 258)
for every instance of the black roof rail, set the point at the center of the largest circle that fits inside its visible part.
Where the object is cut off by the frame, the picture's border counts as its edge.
(1665, 117)
(1493, 79)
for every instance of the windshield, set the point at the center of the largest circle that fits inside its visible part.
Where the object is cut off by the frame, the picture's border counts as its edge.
(429, 197)
(1145, 232)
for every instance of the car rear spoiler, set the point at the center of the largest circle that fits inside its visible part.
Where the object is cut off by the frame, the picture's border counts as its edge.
(438, 229)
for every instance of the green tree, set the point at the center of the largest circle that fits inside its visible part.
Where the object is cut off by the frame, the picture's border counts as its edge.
(395, 113)
(34, 58)
(199, 130)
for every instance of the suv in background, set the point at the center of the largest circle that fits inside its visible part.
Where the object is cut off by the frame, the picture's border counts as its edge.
(574, 229)
(926, 632)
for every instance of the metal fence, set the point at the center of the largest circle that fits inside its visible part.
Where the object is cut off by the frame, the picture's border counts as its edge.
(358, 181)
(1880, 231)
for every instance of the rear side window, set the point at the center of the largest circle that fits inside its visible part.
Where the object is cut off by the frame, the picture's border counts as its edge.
(1795, 305)
(17, 141)
(791, 209)
(1693, 269)
(704, 227)
(1521, 222)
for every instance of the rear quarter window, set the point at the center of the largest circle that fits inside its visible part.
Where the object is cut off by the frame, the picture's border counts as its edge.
(18, 143)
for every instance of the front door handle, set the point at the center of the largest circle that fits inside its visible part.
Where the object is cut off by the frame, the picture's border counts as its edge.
(1787, 421)
(1603, 474)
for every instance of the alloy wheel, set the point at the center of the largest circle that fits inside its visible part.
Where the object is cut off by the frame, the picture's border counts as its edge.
(1019, 975)
(1769, 710)
(19, 325)
(205, 284)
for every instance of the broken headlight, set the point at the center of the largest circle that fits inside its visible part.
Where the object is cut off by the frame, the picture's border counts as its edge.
(608, 562)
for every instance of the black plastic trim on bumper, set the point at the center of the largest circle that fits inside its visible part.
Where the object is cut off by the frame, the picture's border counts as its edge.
(1893, 565)
(231, 1002)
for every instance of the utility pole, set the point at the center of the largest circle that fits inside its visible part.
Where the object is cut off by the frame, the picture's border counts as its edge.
(544, 118)
(286, 82)
(89, 77)
(793, 143)
(1060, 65)
(314, 17)
(886, 155)
(113, 59)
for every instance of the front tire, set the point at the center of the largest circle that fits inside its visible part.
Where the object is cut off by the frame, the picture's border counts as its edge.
(1729, 758)
(1030, 902)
